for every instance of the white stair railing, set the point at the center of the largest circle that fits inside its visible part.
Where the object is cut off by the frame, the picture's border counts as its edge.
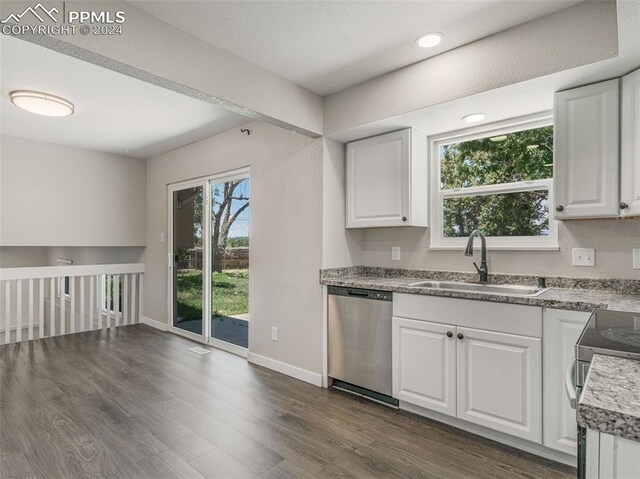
(50, 301)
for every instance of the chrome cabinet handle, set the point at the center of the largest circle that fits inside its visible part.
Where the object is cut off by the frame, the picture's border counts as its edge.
(623, 206)
(460, 336)
(449, 334)
(559, 208)
(570, 383)
(404, 218)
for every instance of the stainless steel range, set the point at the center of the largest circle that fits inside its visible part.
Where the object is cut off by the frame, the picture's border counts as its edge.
(610, 333)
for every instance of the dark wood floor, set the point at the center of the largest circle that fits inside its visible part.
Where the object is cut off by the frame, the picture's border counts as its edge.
(133, 402)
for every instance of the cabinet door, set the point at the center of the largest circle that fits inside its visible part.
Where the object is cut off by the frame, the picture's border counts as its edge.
(619, 458)
(499, 382)
(424, 364)
(586, 151)
(561, 330)
(378, 181)
(630, 147)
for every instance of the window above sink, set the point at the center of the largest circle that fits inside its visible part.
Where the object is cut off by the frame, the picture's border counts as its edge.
(497, 178)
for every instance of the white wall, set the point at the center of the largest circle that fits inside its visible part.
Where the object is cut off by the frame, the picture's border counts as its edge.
(55, 195)
(579, 35)
(286, 234)
(340, 247)
(612, 239)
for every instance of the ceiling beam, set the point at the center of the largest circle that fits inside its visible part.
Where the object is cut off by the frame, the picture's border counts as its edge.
(154, 51)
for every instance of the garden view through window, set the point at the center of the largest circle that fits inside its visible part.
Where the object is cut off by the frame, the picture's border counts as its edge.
(500, 184)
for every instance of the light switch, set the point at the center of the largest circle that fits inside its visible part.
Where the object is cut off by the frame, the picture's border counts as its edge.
(395, 253)
(636, 258)
(584, 257)
(161, 237)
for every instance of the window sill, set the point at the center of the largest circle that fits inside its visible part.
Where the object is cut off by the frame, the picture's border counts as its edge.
(497, 248)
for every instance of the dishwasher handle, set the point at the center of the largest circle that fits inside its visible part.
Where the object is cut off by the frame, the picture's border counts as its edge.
(358, 293)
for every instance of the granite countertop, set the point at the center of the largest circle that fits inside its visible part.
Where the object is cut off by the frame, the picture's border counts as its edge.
(590, 294)
(610, 399)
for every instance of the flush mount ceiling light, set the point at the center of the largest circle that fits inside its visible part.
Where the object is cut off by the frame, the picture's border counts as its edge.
(474, 117)
(41, 103)
(429, 40)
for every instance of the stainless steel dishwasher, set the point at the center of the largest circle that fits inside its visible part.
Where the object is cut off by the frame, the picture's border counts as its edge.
(360, 341)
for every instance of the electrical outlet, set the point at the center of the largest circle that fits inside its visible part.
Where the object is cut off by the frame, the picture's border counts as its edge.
(274, 333)
(584, 256)
(395, 253)
(636, 258)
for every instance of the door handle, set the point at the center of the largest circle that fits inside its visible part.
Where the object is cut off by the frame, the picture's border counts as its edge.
(570, 383)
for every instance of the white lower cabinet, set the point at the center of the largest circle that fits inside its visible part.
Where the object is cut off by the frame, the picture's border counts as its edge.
(424, 364)
(611, 457)
(561, 330)
(484, 377)
(499, 382)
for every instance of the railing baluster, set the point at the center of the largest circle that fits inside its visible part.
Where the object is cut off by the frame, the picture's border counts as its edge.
(101, 289)
(125, 300)
(141, 298)
(81, 303)
(116, 301)
(72, 306)
(109, 299)
(41, 308)
(133, 298)
(92, 293)
(18, 311)
(30, 309)
(7, 311)
(52, 306)
(63, 306)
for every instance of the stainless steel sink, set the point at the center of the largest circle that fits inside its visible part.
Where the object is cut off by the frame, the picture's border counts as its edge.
(503, 289)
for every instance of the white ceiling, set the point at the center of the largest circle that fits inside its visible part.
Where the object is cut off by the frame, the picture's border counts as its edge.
(113, 112)
(327, 46)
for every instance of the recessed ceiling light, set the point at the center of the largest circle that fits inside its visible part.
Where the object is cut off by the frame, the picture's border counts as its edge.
(41, 103)
(429, 40)
(474, 117)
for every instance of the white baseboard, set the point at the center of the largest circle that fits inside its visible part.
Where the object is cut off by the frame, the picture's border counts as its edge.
(153, 323)
(284, 368)
(531, 447)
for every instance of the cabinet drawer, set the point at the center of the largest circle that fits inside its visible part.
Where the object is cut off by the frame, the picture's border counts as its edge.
(501, 317)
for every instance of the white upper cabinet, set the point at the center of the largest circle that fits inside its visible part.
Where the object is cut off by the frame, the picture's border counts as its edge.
(387, 180)
(586, 151)
(630, 146)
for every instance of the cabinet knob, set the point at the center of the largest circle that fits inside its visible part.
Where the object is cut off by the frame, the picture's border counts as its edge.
(404, 218)
(559, 208)
(623, 206)
(460, 336)
(449, 334)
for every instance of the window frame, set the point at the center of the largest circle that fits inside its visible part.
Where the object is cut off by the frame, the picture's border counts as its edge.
(437, 196)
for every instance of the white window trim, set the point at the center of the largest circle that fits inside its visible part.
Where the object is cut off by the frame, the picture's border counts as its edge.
(437, 196)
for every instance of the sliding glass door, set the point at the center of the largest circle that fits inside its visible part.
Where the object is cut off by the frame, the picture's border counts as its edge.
(209, 260)
(230, 261)
(187, 249)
